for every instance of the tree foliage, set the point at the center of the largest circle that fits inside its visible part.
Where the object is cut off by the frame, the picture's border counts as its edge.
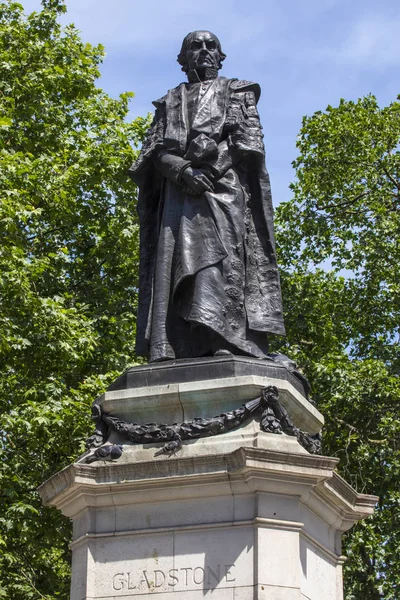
(68, 275)
(339, 241)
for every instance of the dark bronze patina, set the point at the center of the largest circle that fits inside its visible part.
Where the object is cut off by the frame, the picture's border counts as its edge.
(274, 419)
(209, 281)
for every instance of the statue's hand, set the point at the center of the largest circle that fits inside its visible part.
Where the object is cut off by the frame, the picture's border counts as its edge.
(197, 181)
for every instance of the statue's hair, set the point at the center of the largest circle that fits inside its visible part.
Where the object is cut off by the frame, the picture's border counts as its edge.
(182, 58)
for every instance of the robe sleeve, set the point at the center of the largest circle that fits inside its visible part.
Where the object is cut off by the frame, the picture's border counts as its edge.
(243, 129)
(153, 141)
(242, 119)
(170, 165)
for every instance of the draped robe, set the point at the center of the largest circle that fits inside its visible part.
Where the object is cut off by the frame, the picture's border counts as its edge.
(208, 273)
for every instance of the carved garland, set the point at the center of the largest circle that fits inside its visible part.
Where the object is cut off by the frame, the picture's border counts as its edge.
(274, 419)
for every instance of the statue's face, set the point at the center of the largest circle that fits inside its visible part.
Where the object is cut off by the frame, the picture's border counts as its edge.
(202, 51)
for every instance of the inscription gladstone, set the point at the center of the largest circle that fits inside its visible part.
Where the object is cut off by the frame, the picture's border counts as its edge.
(159, 580)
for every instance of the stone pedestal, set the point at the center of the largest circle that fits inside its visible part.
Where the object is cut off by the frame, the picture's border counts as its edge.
(238, 516)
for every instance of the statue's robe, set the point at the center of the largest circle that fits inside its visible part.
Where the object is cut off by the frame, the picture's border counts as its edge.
(208, 272)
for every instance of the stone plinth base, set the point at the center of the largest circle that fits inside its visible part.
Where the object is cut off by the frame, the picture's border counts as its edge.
(239, 516)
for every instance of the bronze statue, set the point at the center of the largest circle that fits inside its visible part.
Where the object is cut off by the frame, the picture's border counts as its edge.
(209, 281)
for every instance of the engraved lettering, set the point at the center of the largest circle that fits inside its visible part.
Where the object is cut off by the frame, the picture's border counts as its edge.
(159, 578)
(173, 577)
(216, 574)
(119, 582)
(150, 584)
(131, 585)
(200, 579)
(228, 572)
(152, 580)
(186, 569)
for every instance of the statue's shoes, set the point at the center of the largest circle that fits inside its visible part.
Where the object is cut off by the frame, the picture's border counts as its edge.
(222, 352)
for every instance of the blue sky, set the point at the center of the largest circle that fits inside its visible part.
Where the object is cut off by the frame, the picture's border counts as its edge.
(305, 55)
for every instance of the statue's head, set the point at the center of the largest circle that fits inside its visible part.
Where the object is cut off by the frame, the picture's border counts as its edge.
(201, 50)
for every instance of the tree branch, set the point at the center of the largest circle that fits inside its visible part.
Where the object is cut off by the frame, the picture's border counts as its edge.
(392, 179)
(345, 203)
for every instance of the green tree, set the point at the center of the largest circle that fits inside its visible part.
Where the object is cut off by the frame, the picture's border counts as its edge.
(339, 241)
(68, 275)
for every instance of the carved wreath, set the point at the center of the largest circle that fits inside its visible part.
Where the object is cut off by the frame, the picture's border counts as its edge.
(274, 419)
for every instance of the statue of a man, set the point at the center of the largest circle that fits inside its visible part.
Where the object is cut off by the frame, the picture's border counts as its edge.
(209, 281)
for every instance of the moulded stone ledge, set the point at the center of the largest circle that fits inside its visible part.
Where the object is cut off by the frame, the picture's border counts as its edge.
(177, 402)
(201, 369)
(253, 510)
(247, 435)
(174, 391)
(246, 470)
